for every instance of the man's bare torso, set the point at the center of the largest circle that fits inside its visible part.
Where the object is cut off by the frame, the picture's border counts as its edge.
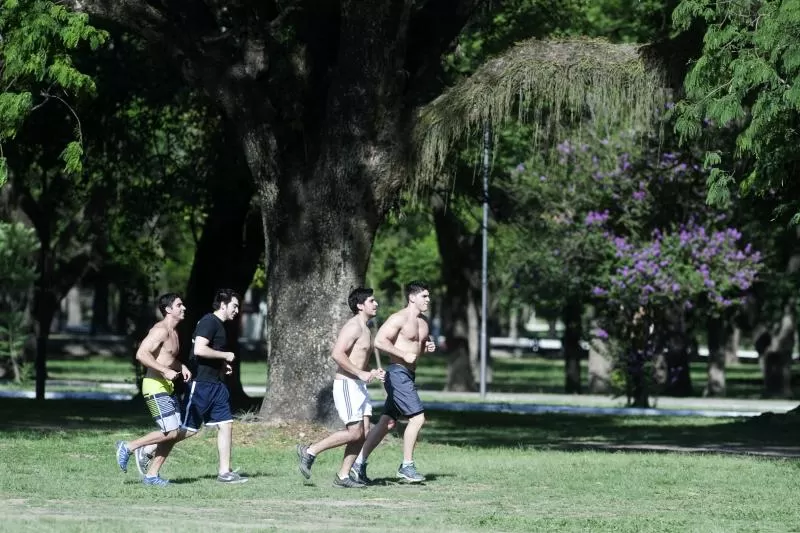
(409, 339)
(360, 352)
(167, 352)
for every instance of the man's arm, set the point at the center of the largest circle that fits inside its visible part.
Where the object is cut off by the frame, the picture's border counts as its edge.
(344, 343)
(149, 346)
(387, 335)
(426, 343)
(202, 349)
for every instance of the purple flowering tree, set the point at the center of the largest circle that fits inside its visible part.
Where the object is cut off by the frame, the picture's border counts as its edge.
(628, 234)
(653, 286)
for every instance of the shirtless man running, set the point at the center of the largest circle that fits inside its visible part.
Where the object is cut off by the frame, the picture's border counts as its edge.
(404, 336)
(159, 353)
(351, 352)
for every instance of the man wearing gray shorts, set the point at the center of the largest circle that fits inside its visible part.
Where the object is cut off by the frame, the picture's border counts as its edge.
(404, 336)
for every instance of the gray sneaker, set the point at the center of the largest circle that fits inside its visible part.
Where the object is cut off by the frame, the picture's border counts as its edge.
(142, 461)
(347, 483)
(231, 478)
(409, 474)
(358, 473)
(306, 460)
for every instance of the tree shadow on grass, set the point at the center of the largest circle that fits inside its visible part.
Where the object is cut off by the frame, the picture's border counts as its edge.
(777, 435)
(769, 434)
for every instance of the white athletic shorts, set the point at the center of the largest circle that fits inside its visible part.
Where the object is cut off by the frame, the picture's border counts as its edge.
(351, 399)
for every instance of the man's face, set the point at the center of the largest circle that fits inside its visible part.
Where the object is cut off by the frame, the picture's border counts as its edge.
(422, 300)
(370, 307)
(177, 309)
(230, 309)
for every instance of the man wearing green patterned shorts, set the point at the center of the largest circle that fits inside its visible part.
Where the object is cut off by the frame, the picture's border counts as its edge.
(159, 353)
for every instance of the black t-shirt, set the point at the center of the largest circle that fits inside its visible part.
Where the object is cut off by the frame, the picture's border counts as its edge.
(213, 329)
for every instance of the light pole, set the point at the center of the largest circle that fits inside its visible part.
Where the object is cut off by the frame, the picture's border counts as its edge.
(484, 346)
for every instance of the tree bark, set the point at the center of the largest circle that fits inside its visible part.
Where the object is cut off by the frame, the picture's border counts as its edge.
(322, 99)
(231, 245)
(100, 298)
(678, 349)
(719, 334)
(458, 251)
(573, 331)
(600, 367)
(775, 350)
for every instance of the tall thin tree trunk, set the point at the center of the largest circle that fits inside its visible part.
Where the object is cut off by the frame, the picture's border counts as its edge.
(45, 305)
(732, 346)
(100, 300)
(775, 350)
(227, 255)
(719, 334)
(459, 314)
(600, 366)
(573, 331)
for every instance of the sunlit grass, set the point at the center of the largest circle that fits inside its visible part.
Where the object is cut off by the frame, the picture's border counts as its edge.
(485, 473)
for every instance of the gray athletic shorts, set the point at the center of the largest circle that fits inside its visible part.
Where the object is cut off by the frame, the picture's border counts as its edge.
(401, 393)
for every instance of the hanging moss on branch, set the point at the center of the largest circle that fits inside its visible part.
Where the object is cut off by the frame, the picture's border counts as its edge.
(547, 82)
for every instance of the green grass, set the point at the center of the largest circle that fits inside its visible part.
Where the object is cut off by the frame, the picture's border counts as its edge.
(486, 473)
(528, 374)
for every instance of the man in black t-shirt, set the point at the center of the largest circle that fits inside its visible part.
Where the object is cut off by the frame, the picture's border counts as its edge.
(207, 400)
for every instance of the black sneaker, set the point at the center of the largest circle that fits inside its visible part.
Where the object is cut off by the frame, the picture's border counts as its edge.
(358, 473)
(347, 483)
(306, 460)
(409, 474)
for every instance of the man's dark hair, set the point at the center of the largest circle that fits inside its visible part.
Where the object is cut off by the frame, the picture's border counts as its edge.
(416, 287)
(166, 300)
(357, 296)
(224, 296)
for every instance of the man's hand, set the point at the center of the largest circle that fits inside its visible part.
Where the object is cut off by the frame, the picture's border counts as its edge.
(430, 346)
(229, 357)
(380, 374)
(187, 374)
(411, 358)
(169, 374)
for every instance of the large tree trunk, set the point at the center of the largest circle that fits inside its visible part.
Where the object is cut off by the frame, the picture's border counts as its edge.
(573, 331)
(322, 98)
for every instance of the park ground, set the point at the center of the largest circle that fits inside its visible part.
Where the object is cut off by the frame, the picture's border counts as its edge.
(490, 471)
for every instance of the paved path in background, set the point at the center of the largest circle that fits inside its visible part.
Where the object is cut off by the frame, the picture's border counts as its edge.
(522, 403)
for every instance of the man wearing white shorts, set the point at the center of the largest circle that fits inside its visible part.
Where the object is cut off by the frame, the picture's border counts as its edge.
(351, 353)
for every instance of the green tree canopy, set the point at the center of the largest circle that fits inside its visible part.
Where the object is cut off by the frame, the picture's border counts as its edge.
(37, 38)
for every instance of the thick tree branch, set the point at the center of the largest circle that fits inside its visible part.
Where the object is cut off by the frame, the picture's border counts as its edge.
(433, 29)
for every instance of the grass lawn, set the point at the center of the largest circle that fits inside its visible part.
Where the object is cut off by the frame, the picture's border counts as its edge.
(485, 473)
(528, 374)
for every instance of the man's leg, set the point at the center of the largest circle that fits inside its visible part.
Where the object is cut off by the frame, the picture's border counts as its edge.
(224, 438)
(350, 454)
(410, 436)
(163, 450)
(353, 432)
(374, 437)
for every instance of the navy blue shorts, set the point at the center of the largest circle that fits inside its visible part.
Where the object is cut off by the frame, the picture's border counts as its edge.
(401, 393)
(206, 402)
